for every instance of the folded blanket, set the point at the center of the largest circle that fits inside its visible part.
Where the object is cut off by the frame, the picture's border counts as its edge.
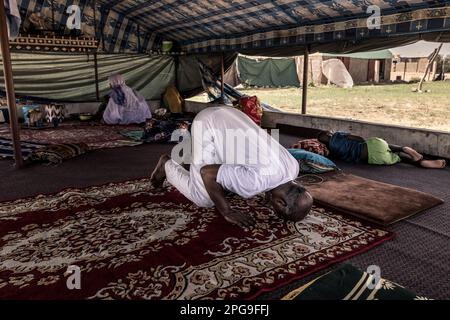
(57, 153)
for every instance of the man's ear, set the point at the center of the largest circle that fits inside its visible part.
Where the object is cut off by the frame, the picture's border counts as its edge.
(280, 202)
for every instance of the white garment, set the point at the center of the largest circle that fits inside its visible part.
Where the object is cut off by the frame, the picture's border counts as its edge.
(253, 164)
(13, 18)
(135, 109)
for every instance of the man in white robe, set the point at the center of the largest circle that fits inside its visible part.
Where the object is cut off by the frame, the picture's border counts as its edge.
(231, 153)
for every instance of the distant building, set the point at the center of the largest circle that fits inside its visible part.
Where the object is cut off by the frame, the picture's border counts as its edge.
(365, 67)
(411, 68)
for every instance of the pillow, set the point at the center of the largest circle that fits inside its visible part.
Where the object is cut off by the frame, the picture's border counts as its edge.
(57, 153)
(311, 162)
(312, 145)
(346, 283)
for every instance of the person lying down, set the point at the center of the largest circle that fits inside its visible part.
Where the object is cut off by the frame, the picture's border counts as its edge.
(375, 151)
(232, 154)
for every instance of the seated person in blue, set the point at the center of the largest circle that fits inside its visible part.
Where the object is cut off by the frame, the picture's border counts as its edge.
(356, 149)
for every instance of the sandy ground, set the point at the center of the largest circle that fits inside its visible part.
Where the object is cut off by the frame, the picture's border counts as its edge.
(389, 104)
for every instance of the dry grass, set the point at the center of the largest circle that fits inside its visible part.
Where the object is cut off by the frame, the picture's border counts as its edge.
(388, 104)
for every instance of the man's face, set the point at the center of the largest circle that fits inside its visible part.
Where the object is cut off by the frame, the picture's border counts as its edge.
(279, 207)
(300, 207)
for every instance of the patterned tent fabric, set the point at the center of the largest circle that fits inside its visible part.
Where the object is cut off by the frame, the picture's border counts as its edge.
(236, 25)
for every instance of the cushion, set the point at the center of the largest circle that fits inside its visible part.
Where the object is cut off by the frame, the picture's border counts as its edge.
(349, 283)
(311, 162)
(57, 153)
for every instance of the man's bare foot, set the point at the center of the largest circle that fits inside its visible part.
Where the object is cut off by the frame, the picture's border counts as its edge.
(433, 164)
(159, 173)
(413, 154)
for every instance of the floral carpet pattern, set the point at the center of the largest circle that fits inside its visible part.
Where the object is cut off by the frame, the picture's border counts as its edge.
(95, 135)
(130, 241)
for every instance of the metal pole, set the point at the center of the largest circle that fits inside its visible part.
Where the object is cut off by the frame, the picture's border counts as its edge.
(97, 89)
(222, 77)
(305, 79)
(443, 67)
(9, 87)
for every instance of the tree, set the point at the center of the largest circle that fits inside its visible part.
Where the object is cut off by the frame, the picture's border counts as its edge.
(431, 60)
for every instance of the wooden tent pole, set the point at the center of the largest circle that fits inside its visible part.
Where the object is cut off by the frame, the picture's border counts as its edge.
(97, 89)
(222, 77)
(9, 87)
(305, 79)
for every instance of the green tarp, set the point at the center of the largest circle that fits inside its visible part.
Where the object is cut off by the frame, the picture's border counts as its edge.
(268, 72)
(71, 77)
(369, 55)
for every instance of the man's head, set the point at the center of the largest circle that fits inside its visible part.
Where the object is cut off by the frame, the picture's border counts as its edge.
(291, 201)
(325, 137)
(116, 80)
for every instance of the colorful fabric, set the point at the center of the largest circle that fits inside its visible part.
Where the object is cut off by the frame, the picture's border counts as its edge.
(163, 130)
(7, 149)
(345, 149)
(312, 145)
(349, 283)
(134, 242)
(311, 162)
(96, 136)
(252, 108)
(54, 113)
(379, 152)
(57, 153)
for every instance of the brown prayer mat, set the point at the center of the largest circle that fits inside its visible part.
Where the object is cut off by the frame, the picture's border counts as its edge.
(370, 200)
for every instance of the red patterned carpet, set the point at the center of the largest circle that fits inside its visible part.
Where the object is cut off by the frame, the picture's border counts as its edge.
(133, 242)
(95, 135)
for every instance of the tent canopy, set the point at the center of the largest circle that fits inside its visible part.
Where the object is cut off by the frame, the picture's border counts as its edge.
(248, 26)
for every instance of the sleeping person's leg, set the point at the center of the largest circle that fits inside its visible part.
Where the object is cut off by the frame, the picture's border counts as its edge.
(411, 156)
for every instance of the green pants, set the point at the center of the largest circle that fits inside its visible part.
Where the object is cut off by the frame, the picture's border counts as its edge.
(379, 152)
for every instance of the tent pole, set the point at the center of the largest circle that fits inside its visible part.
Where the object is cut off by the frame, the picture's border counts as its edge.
(9, 86)
(222, 77)
(97, 89)
(305, 79)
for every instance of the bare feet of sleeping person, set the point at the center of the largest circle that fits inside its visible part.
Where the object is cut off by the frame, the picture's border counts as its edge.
(418, 158)
(433, 164)
(159, 173)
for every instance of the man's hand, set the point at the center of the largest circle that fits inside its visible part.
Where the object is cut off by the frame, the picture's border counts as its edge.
(241, 219)
(217, 194)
